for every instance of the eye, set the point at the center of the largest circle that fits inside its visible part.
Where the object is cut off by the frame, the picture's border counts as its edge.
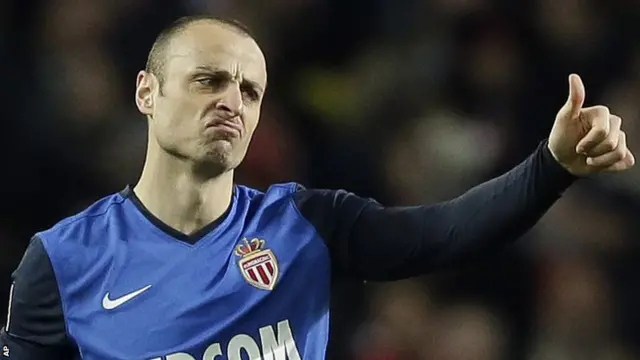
(211, 81)
(250, 93)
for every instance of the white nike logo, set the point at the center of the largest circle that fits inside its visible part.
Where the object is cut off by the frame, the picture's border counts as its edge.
(109, 304)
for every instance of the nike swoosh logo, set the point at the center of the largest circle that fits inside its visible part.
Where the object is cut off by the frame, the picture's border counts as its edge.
(109, 304)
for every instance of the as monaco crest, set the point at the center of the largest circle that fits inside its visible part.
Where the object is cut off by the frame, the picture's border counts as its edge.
(259, 266)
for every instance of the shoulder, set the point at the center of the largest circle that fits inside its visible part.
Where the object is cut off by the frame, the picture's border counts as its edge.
(323, 208)
(78, 229)
(91, 215)
(273, 191)
(296, 192)
(300, 197)
(276, 193)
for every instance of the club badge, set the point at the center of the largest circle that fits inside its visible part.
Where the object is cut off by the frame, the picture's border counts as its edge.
(258, 265)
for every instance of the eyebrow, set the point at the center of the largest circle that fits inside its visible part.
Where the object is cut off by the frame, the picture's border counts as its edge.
(226, 73)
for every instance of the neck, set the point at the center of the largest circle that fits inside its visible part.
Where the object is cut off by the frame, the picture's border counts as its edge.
(170, 189)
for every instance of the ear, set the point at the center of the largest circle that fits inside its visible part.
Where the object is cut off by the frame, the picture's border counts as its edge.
(145, 88)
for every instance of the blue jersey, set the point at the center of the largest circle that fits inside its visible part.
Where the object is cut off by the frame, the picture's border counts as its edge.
(114, 282)
(255, 286)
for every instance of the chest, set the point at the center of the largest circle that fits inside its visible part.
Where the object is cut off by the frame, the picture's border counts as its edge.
(158, 299)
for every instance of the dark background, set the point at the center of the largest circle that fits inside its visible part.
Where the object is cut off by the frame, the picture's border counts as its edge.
(408, 102)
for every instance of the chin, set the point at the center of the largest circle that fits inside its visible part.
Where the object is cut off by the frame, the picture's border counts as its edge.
(219, 156)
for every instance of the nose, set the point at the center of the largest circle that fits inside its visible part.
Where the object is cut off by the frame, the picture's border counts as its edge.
(231, 101)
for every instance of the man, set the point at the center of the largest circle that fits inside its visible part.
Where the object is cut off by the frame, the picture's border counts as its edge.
(187, 265)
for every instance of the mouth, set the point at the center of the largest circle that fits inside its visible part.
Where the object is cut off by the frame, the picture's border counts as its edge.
(229, 126)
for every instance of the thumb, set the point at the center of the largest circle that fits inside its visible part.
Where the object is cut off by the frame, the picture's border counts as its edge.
(576, 96)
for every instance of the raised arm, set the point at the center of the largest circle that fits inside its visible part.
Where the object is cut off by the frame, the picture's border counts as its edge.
(370, 241)
(374, 242)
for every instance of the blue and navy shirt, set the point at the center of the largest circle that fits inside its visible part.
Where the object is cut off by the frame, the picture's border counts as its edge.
(114, 282)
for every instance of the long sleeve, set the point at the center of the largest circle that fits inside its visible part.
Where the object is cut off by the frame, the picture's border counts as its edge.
(373, 242)
(35, 328)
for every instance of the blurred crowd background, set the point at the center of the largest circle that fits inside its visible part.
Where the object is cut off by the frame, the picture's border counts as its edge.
(408, 102)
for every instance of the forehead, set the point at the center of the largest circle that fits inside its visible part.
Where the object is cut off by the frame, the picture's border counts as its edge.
(217, 46)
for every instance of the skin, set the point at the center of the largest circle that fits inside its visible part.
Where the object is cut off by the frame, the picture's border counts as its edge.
(200, 124)
(588, 140)
(214, 75)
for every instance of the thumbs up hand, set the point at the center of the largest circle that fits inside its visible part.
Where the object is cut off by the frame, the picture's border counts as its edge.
(588, 140)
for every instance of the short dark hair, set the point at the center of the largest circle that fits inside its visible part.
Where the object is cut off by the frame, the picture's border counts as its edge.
(157, 58)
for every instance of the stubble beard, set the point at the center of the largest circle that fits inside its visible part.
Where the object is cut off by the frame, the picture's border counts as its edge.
(217, 157)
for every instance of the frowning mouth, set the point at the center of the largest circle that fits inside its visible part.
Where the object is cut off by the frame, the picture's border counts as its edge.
(229, 126)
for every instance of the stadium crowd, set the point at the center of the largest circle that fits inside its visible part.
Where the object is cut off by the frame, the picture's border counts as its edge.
(407, 102)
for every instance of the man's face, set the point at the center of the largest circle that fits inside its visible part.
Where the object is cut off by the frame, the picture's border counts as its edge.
(209, 106)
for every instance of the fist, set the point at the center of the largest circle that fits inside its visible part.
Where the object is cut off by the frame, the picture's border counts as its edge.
(588, 140)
